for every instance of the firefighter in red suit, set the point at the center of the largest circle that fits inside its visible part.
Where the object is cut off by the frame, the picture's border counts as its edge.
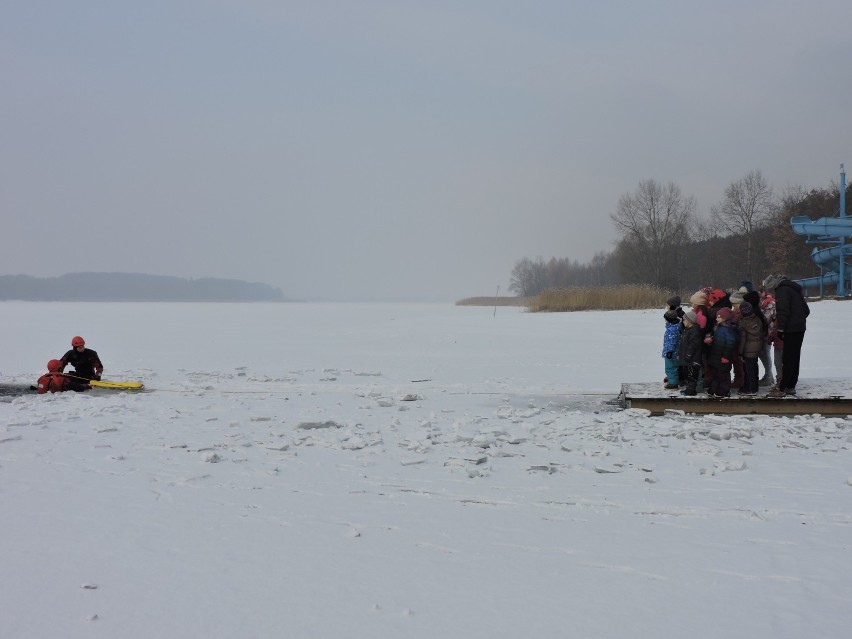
(54, 381)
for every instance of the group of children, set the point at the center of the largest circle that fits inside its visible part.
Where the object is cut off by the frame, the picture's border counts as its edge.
(719, 335)
(87, 366)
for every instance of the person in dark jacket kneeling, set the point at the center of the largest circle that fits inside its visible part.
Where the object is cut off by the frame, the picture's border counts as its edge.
(85, 361)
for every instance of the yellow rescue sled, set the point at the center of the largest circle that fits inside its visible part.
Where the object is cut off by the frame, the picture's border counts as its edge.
(98, 383)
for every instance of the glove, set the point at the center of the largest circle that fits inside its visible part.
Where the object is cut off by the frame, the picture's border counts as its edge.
(725, 360)
(708, 339)
(669, 355)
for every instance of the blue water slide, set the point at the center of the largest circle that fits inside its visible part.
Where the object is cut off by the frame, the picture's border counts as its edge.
(829, 258)
(824, 227)
(815, 282)
(828, 230)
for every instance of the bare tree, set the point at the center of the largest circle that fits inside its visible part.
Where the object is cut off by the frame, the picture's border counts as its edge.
(749, 204)
(528, 278)
(602, 270)
(701, 231)
(654, 223)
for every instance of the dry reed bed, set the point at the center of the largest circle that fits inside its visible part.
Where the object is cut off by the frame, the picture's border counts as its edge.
(614, 298)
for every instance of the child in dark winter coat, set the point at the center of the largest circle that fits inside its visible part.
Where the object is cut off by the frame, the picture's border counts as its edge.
(671, 341)
(716, 299)
(689, 352)
(736, 298)
(753, 298)
(752, 343)
(724, 347)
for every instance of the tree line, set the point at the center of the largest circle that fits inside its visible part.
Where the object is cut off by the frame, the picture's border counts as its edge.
(664, 243)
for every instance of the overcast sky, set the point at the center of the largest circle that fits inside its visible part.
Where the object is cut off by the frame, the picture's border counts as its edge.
(393, 150)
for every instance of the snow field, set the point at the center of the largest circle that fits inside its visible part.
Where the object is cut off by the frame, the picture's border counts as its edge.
(460, 489)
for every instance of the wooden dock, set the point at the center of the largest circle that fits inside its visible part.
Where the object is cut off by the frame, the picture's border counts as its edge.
(818, 396)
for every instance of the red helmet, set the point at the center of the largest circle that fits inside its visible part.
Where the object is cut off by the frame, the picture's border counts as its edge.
(77, 341)
(54, 365)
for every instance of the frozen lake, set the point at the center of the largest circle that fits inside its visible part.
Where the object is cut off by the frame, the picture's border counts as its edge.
(403, 342)
(331, 470)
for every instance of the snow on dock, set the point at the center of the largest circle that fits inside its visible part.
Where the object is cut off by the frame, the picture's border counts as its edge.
(814, 396)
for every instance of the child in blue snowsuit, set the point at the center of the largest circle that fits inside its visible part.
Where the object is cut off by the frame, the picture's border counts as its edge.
(671, 342)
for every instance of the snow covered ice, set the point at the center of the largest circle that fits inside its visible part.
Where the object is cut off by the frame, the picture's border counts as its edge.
(322, 470)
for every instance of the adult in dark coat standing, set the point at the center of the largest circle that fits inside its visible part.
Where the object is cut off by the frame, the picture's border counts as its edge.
(791, 311)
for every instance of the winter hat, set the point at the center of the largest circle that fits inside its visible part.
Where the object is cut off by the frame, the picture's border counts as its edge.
(699, 298)
(737, 298)
(747, 285)
(746, 309)
(673, 302)
(671, 316)
(772, 282)
(706, 289)
(691, 316)
(715, 296)
(724, 314)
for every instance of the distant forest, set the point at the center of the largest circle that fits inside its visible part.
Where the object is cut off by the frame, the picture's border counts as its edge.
(665, 244)
(135, 287)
